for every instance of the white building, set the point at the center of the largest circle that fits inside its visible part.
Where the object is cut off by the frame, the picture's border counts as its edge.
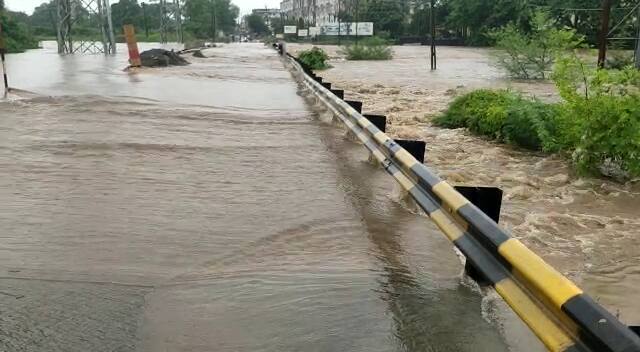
(316, 12)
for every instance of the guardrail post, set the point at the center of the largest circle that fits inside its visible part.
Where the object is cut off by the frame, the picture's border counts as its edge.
(415, 148)
(380, 121)
(488, 199)
(356, 105)
(327, 85)
(338, 93)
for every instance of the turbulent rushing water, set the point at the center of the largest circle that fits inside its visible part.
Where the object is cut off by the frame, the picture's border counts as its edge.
(209, 208)
(585, 227)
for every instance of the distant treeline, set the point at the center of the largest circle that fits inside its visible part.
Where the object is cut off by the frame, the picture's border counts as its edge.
(473, 20)
(202, 19)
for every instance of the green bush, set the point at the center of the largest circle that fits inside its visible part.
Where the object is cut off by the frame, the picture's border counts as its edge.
(602, 116)
(17, 35)
(531, 55)
(597, 123)
(315, 58)
(502, 115)
(373, 48)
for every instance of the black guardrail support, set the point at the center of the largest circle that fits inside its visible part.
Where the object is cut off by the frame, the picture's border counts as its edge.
(317, 78)
(488, 199)
(356, 105)
(338, 93)
(635, 329)
(379, 121)
(327, 85)
(415, 148)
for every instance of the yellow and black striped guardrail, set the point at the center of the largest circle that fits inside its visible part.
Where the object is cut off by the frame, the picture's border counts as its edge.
(554, 308)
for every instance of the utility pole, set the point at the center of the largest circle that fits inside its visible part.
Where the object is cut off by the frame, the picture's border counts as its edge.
(315, 10)
(357, 19)
(4, 66)
(638, 42)
(213, 21)
(434, 62)
(339, 25)
(604, 32)
(177, 14)
(68, 16)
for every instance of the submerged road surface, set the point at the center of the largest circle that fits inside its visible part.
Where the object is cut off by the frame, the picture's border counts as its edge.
(210, 208)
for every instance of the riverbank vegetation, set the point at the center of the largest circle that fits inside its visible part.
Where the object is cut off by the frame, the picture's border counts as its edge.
(372, 48)
(597, 123)
(315, 58)
(16, 32)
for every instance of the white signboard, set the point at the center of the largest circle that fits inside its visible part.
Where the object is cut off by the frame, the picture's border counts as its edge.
(347, 28)
(313, 31)
(290, 29)
(279, 36)
(303, 32)
(365, 28)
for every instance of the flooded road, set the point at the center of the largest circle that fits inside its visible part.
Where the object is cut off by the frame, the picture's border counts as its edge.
(210, 208)
(585, 227)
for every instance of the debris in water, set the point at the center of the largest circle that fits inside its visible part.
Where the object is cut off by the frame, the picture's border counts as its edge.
(198, 53)
(161, 57)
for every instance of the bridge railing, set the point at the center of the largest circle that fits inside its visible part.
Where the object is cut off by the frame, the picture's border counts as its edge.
(555, 309)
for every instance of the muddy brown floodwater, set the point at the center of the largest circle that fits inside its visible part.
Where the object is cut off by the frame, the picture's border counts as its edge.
(587, 228)
(210, 208)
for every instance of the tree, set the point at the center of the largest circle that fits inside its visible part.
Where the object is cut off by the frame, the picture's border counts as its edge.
(531, 55)
(256, 24)
(475, 18)
(206, 18)
(16, 31)
(387, 15)
(127, 12)
(43, 19)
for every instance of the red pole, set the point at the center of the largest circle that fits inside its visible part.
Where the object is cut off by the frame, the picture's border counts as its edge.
(132, 44)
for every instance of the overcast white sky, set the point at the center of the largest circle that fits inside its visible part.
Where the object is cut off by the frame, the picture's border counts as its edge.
(244, 5)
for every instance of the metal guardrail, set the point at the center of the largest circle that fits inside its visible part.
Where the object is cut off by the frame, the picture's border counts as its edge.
(554, 308)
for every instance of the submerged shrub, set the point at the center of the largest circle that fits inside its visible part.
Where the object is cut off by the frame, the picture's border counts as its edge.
(373, 48)
(315, 58)
(470, 106)
(502, 115)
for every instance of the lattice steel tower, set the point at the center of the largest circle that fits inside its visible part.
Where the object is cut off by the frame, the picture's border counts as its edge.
(96, 13)
(170, 11)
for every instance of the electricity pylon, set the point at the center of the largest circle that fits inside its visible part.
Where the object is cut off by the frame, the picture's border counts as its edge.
(97, 13)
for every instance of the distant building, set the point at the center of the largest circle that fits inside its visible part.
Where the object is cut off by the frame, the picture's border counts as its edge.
(312, 12)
